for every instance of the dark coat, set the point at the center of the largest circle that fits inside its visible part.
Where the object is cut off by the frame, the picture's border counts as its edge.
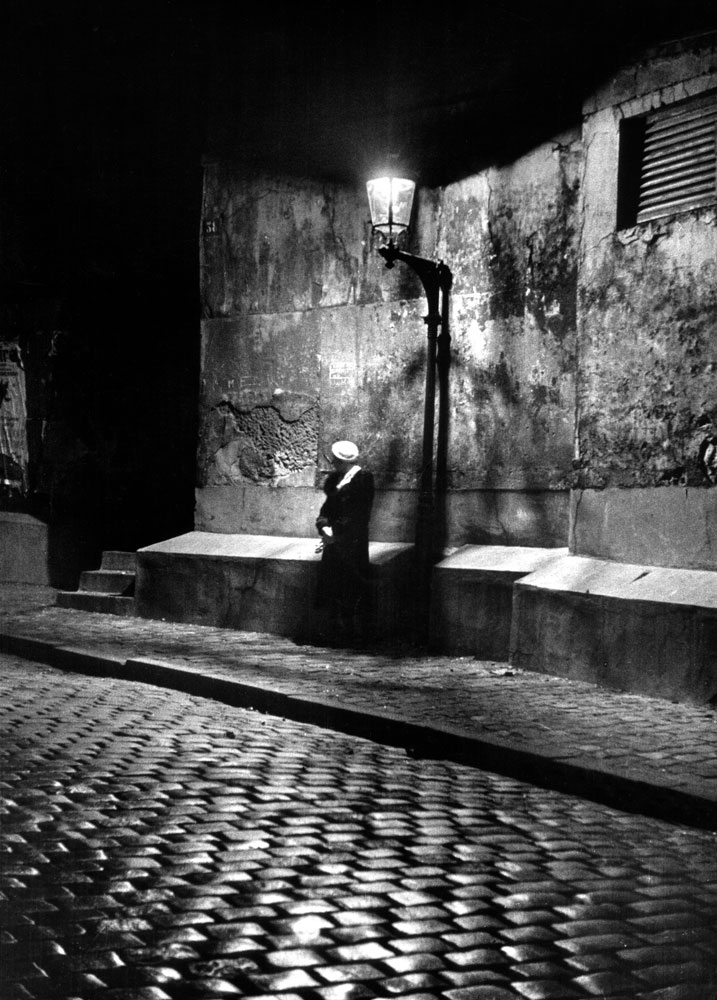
(344, 574)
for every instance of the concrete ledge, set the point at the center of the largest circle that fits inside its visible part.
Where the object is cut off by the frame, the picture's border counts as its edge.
(472, 597)
(257, 583)
(645, 629)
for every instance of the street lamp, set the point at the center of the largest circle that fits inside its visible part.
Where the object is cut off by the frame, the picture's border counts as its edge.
(390, 200)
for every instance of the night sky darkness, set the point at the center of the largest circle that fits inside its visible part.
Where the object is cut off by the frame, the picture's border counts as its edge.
(108, 107)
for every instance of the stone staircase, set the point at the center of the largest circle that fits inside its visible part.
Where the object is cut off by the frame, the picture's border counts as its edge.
(108, 590)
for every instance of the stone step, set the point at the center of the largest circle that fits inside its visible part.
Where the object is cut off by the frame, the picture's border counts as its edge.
(108, 590)
(124, 561)
(105, 604)
(104, 581)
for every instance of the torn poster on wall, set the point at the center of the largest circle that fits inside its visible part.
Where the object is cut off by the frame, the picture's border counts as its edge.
(13, 419)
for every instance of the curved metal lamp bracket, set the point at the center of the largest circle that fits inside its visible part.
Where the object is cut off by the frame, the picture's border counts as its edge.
(435, 277)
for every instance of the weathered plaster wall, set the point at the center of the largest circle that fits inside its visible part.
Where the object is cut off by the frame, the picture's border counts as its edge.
(510, 235)
(646, 353)
(307, 336)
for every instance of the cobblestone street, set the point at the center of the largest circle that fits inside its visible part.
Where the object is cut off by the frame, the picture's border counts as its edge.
(159, 845)
(631, 751)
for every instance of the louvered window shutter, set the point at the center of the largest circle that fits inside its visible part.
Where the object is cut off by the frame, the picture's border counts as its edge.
(679, 162)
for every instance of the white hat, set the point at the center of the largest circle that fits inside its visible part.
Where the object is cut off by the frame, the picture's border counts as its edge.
(345, 451)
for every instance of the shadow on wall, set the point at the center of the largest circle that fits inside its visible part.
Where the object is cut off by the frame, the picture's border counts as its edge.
(392, 444)
(508, 500)
(504, 450)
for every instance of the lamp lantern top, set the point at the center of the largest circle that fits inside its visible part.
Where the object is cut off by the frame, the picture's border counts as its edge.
(390, 200)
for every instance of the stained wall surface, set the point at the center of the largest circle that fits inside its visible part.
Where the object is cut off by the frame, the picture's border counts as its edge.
(308, 337)
(646, 343)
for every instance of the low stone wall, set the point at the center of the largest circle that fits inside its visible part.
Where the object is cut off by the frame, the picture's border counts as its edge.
(472, 597)
(257, 583)
(639, 628)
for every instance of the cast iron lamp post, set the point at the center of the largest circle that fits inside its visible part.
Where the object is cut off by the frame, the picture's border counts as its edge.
(390, 201)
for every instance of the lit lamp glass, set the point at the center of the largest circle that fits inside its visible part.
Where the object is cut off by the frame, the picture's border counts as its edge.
(390, 200)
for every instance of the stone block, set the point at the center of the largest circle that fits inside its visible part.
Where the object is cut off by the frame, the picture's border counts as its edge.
(666, 526)
(257, 510)
(23, 549)
(508, 519)
(256, 583)
(640, 628)
(472, 597)
(534, 518)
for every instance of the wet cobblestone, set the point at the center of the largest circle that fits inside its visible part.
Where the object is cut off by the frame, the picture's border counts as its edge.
(648, 742)
(159, 845)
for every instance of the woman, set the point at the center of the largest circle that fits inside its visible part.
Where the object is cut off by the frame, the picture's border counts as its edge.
(344, 573)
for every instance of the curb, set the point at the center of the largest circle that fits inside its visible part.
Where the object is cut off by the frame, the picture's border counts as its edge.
(600, 784)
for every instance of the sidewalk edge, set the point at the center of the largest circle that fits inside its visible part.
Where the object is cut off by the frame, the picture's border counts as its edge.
(602, 785)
